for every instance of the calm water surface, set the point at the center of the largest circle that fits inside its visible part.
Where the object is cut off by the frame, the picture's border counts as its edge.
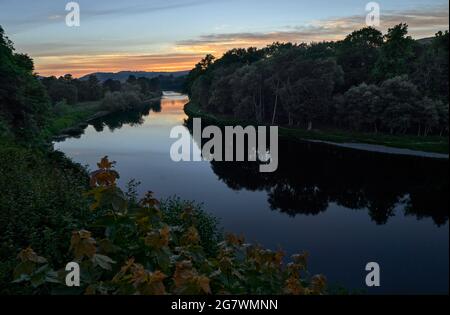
(345, 207)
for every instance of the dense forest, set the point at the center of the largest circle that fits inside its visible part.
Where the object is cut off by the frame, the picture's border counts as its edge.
(368, 82)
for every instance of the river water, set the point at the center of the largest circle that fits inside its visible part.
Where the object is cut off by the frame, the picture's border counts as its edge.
(345, 207)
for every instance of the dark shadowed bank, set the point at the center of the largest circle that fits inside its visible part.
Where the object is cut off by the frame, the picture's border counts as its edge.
(432, 147)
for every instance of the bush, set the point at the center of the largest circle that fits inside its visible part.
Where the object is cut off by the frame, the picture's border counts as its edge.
(41, 202)
(135, 251)
(127, 99)
(207, 225)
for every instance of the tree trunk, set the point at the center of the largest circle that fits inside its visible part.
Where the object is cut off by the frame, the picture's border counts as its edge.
(276, 103)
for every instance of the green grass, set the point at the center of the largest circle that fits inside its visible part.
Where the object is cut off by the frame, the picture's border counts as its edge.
(434, 144)
(70, 115)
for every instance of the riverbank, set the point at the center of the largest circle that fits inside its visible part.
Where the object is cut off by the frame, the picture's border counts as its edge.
(72, 120)
(433, 147)
(73, 117)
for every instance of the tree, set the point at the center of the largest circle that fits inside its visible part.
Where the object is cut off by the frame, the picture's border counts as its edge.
(361, 108)
(309, 88)
(199, 69)
(94, 88)
(112, 85)
(400, 98)
(62, 89)
(396, 55)
(24, 104)
(357, 55)
(431, 73)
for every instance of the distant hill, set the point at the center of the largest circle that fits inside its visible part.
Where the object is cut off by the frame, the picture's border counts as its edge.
(426, 41)
(123, 75)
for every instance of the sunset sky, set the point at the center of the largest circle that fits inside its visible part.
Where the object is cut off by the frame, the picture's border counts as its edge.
(170, 35)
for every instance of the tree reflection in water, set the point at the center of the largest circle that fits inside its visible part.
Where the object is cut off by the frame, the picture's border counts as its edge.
(133, 118)
(312, 176)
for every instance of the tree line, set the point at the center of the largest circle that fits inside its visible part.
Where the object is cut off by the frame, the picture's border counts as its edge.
(28, 102)
(368, 82)
(71, 90)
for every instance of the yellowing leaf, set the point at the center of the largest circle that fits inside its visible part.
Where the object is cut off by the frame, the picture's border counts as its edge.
(318, 284)
(28, 255)
(191, 237)
(235, 240)
(83, 245)
(105, 164)
(203, 283)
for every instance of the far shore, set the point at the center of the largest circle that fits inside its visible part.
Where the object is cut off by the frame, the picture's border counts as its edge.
(426, 147)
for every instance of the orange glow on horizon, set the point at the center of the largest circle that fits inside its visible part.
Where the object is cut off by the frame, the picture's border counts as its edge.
(79, 66)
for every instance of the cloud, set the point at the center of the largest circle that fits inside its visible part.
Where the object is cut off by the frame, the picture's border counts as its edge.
(22, 22)
(422, 22)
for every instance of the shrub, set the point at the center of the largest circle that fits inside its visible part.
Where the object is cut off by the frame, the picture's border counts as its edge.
(41, 202)
(134, 251)
(207, 225)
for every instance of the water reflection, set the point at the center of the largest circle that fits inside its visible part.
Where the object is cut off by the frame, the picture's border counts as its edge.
(312, 176)
(132, 118)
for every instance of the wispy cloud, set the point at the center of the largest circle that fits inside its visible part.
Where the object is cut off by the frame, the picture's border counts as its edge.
(422, 23)
(24, 22)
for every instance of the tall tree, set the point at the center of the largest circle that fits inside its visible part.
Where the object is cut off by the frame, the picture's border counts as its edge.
(396, 55)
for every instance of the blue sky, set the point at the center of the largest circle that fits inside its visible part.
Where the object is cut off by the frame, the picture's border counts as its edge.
(174, 34)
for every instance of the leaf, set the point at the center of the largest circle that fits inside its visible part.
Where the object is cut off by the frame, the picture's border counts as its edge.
(29, 255)
(203, 283)
(118, 202)
(107, 247)
(183, 273)
(105, 164)
(301, 260)
(294, 287)
(103, 261)
(158, 239)
(235, 240)
(318, 284)
(82, 244)
(22, 278)
(149, 201)
(191, 236)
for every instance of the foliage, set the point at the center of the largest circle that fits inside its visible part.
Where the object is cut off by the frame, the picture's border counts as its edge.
(207, 225)
(367, 82)
(396, 54)
(62, 89)
(126, 99)
(358, 54)
(24, 104)
(41, 202)
(135, 251)
(66, 116)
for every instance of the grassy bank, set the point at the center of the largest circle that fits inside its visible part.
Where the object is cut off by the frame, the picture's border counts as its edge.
(69, 116)
(73, 118)
(432, 144)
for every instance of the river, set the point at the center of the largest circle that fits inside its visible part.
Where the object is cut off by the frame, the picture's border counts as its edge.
(345, 207)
